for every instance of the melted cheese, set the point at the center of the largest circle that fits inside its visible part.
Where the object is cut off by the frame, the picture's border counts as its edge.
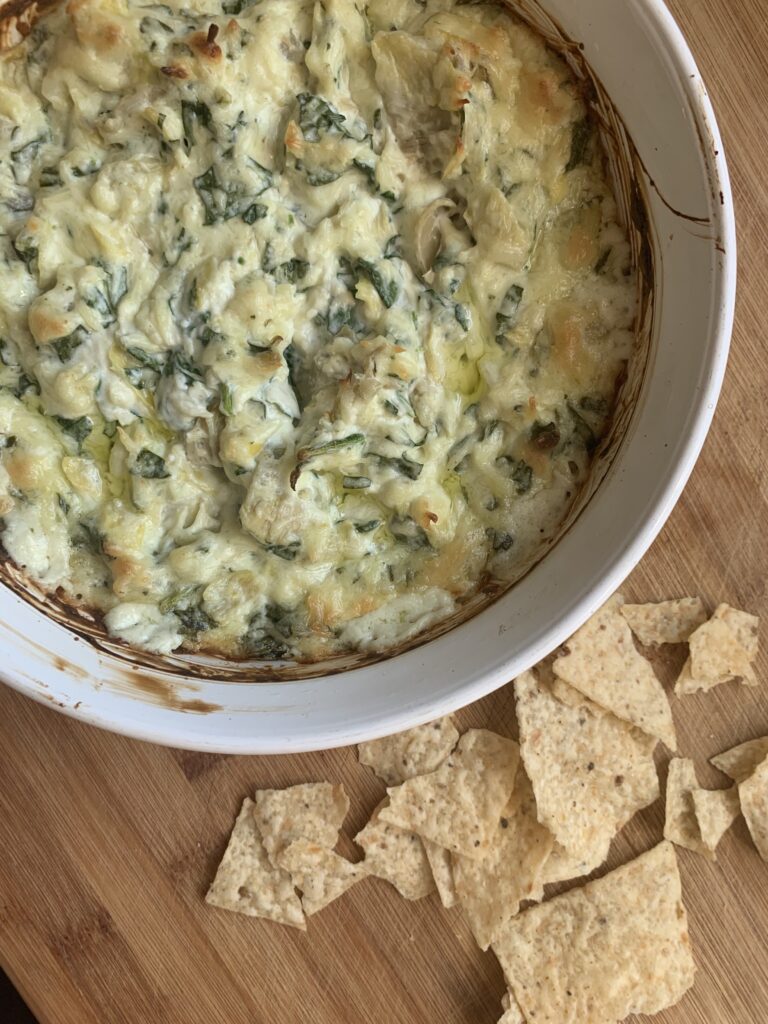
(311, 314)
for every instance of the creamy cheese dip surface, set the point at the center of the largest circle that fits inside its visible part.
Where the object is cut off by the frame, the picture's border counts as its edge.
(312, 314)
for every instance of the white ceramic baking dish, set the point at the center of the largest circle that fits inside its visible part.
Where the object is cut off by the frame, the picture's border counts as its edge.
(677, 173)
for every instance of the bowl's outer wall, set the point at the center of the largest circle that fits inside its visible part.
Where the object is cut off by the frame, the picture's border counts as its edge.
(639, 55)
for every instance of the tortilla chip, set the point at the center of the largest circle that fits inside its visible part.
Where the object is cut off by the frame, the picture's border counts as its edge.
(716, 655)
(668, 622)
(490, 890)
(603, 664)
(247, 883)
(743, 626)
(590, 771)
(753, 794)
(458, 806)
(442, 871)
(616, 946)
(739, 762)
(512, 1012)
(680, 824)
(716, 810)
(320, 874)
(313, 810)
(561, 866)
(396, 855)
(414, 752)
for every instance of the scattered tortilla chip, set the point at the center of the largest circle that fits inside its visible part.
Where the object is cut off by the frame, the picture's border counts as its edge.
(458, 806)
(753, 795)
(616, 946)
(716, 810)
(561, 866)
(668, 622)
(716, 655)
(313, 810)
(320, 874)
(739, 762)
(247, 883)
(512, 1012)
(442, 871)
(603, 664)
(396, 855)
(680, 824)
(415, 752)
(490, 890)
(590, 771)
(743, 625)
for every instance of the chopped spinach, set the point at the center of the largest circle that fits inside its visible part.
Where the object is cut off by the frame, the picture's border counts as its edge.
(193, 620)
(223, 199)
(519, 472)
(500, 541)
(388, 289)
(226, 399)
(405, 530)
(64, 347)
(149, 465)
(367, 527)
(318, 117)
(507, 314)
(463, 315)
(193, 113)
(78, 429)
(581, 133)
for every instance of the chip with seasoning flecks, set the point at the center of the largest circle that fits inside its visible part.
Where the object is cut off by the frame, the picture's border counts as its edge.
(665, 622)
(312, 810)
(753, 795)
(562, 866)
(442, 871)
(716, 655)
(247, 883)
(458, 805)
(414, 752)
(491, 890)
(594, 955)
(396, 855)
(716, 810)
(743, 625)
(590, 771)
(739, 762)
(603, 664)
(320, 874)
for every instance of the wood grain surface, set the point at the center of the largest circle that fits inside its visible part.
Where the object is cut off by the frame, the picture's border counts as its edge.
(107, 845)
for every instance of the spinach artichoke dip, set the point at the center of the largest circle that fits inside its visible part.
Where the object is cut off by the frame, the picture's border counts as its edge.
(312, 314)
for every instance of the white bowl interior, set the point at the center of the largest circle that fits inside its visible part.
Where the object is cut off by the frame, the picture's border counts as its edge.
(641, 59)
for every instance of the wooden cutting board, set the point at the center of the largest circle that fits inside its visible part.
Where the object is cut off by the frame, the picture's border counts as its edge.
(107, 845)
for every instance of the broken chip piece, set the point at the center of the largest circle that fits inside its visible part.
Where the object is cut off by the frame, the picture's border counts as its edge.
(491, 890)
(512, 1013)
(696, 818)
(616, 946)
(320, 874)
(739, 762)
(743, 625)
(396, 855)
(312, 810)
(603, 663)
(666, 622)
(247, 883)
(590, 771)
(753, 796)
(716, 810)
(413, 752)
(680, 825)
(458, 805)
